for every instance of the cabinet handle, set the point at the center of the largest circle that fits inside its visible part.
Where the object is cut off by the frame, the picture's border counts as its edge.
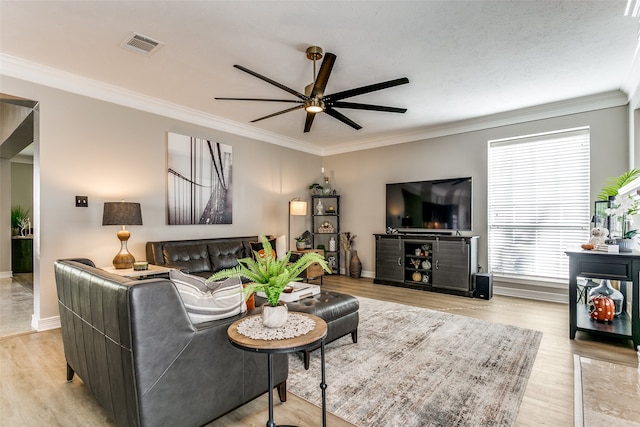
(437, 264)
(400, 261)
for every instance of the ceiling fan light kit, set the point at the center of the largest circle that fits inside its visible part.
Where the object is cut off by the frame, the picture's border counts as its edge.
(314, 101)
(314, 106)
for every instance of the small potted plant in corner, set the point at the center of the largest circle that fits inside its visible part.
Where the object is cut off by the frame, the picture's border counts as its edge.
(271, 276)
(316, 189)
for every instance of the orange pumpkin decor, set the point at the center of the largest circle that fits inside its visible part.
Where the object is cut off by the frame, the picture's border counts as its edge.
(601, 308)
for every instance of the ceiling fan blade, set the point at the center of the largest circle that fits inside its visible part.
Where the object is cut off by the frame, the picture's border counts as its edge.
(344, 119)
(366, 89)
(278, 113)
(273, 82)
(323, 75)
(260, 99)
(309, 121)
(357, 106)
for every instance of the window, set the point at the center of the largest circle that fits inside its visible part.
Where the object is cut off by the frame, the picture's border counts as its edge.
(538, 202)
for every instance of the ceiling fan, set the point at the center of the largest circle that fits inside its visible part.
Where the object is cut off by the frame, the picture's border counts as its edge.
(314, 100)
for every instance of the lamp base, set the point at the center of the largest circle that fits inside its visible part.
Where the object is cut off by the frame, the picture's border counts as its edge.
(121, 261)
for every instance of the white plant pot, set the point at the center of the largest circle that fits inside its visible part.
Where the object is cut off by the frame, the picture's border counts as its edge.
(274, 317)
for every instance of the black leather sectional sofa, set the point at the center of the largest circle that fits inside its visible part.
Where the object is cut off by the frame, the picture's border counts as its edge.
(135, 348)
(200, 257)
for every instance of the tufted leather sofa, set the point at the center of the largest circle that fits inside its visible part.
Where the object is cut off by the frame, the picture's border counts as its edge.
(200, 257)
(135, 348)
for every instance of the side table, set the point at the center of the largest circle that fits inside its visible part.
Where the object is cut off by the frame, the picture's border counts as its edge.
(623, 266)
(315, 270)
(289, 345)
(151, 272)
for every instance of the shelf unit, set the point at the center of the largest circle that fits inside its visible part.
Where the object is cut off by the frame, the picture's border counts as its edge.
(332, 217)
(624, 267)
(418, 263)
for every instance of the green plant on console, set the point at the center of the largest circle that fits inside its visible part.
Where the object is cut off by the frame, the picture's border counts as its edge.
(18, 216)
(269, 274)
(614, 184)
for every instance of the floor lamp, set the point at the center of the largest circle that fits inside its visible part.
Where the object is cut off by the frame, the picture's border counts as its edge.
(298, 208)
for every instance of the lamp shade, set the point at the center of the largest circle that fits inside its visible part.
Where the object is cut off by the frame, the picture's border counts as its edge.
(298, 207)
(121, 213)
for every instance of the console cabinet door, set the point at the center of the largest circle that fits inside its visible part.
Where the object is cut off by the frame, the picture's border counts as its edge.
(451, 265)
(389, 259)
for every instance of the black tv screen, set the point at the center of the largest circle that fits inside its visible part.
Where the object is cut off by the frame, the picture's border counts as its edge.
(443, 204)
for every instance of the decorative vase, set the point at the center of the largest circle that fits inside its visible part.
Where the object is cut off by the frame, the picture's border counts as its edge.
(332, 244)
(355, 266)
(274, 317)
(319, 208)
(625, 245)
(605, 289)
(326, 187)
(347, 263)
(416, 276)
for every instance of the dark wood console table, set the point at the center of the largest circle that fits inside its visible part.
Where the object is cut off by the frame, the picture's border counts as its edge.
(624, 267)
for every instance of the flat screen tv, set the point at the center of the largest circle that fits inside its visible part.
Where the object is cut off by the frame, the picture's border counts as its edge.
(436, 205)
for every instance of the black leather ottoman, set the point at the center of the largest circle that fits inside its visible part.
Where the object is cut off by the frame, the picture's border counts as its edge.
(340, 311)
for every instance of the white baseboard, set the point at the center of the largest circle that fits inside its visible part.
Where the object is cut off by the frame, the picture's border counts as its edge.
(45, 324)
(6, 274)
(536, 295)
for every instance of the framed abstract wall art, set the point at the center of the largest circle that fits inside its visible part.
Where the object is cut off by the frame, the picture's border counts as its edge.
(199, 176)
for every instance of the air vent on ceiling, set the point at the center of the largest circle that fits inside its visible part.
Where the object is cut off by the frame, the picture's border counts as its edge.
(141, 44)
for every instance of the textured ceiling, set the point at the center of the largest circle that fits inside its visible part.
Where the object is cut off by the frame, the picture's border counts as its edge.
(464, 59)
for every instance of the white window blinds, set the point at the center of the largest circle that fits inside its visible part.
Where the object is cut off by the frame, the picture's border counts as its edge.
(538, 202)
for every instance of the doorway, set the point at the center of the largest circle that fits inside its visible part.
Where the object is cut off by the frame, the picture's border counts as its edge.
(18, 143)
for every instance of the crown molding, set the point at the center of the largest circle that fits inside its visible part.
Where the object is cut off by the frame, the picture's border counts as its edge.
(52, 77)
(555, 109)
(36, 73)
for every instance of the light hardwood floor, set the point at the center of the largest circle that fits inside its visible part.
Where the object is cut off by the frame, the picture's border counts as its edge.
(34, 392)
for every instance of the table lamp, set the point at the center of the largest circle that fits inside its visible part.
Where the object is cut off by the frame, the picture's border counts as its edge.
(298, 208)
(122, 213)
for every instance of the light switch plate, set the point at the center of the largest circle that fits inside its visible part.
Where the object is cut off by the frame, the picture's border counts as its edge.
(82, 201)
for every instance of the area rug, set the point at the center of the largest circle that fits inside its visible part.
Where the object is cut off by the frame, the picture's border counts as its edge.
(419, 367)
(618, 406)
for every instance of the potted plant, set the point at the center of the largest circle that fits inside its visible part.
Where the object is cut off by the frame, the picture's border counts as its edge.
(622, 208)
(301, 243)
(271, 276)
(316, 189)
(19, 219)
(615, 183)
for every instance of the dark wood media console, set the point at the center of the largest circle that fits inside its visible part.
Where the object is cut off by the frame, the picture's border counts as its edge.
(427, 262)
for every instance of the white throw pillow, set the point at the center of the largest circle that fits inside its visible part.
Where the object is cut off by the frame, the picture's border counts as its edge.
(209, 301)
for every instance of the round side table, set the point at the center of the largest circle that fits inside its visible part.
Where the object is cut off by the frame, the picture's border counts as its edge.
(289, 345)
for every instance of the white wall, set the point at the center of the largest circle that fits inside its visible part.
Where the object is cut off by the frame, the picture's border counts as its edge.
(108, 153)
(22, 186)
(361, 176)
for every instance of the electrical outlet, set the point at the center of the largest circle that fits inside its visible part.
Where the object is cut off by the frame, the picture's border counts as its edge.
(82, 201)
